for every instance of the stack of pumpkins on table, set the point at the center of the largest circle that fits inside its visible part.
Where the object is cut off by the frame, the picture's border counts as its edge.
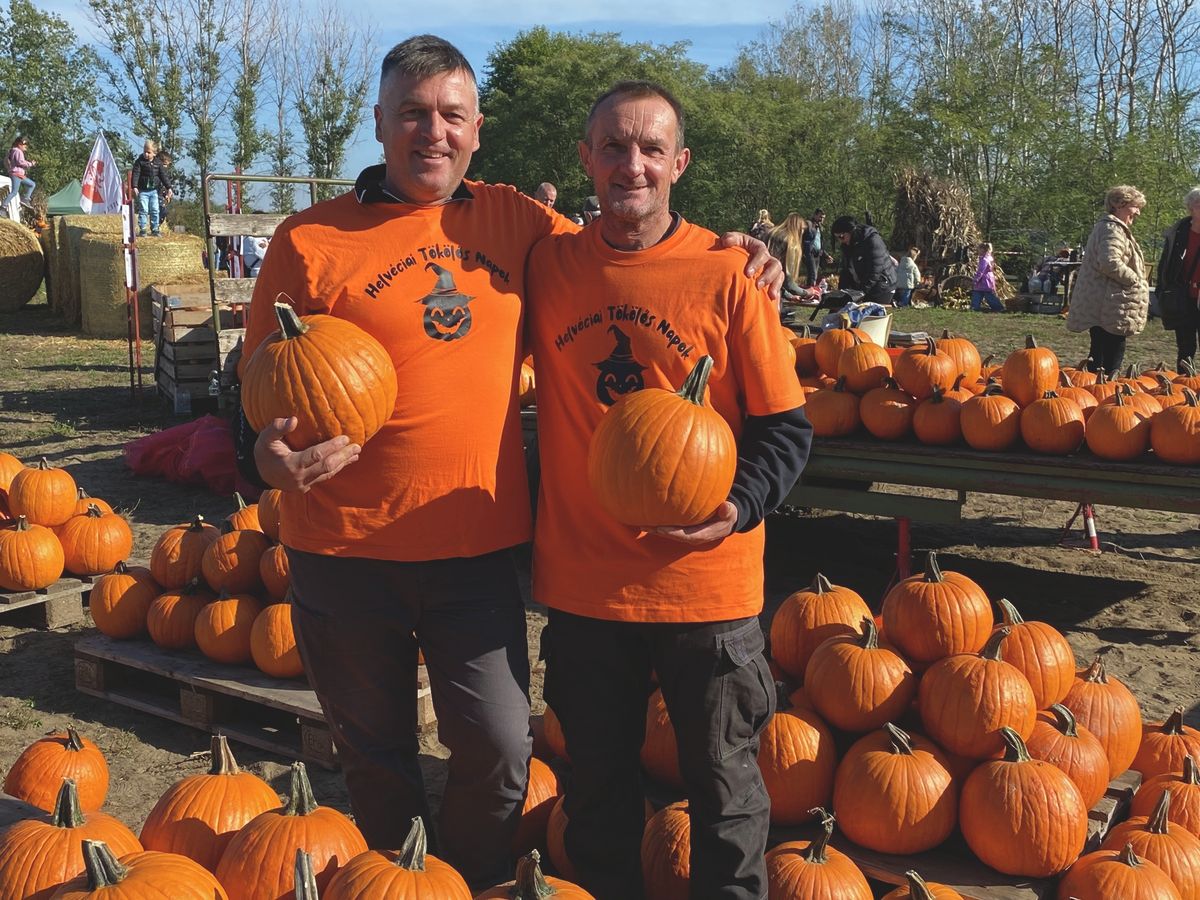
(943, 393)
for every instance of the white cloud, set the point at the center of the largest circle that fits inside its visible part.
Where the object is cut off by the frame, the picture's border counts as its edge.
(528, 13)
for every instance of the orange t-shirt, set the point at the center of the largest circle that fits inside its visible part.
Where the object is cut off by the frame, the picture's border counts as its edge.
(601, 323)
(445, 477)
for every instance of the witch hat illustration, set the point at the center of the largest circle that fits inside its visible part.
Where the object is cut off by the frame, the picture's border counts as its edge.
(447, 316)
(620, 373)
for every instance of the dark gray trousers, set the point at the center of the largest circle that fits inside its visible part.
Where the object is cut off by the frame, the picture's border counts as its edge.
(720, 696)
(354, 620)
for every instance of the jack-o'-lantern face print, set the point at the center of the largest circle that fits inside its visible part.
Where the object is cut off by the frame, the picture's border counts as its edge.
(620, 373)
(447, 316)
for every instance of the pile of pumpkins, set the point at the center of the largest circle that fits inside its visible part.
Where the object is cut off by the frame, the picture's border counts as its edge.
(936, 716)
(223, 591)
(221, 835)
(943, 393)
(50, 525)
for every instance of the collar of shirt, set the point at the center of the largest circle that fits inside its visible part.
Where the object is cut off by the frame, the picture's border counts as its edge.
(368, 188)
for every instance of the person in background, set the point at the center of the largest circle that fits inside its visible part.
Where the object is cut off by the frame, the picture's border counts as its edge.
(17, 164)
(148, 178)
(1111, 297)
(546, 193)
(678, 601)
(866, 264)
(762, 225)
(786, 243)
(1178, 286)
(983, 286)
(908, 276)
(591, 209)
(814, 251)
(164, 202)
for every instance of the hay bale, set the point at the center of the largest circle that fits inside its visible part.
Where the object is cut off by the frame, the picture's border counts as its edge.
(76, 228)
(171, 258)
(62, 261)
(49, 240)
(22, 265)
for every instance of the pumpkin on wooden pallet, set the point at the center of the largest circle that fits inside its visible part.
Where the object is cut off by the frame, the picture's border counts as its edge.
(231, 562)
(659, 457)
(887, 412)
(43, 494)
(178, 556)
(1108, 709)
(171, 619)
(245, 517)
(864, 365)
(31, 557)
(1165, 746)
(919, 889)
(1053, 425)
(834, 341)
(934, 615)
(922, 368)
(813, 870)
(223, 628)
(258, 861)
(1029, 373)
(139, 875)
(797, 757)
(666, 853)
(37, 775)
(198, 816)
(532, 884)
(39, 855)
(1061, 741)
(964, 354)
(808, 618)
(1082, 396)
(1175, 432)
(93, 543)
(1169, 846)
(856, 684)
(1041, 653)
(990, 421)
(273, 642)
(120, 601)
(1185, 796)
(833, 412)
(1116, 874)
(410, 871)
(937, 420)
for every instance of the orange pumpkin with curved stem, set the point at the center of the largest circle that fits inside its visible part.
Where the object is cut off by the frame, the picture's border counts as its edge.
(178, 556)
(245, 517)
(936, 614)
(1103, 387)
(120, 601)
(937, 420)
(666, 853)
(990, 421)
(532, 884)
(814, 870)
(335, 378)
(887, 412)
(94, 543)
(807, 618)
(1167, 393)
(1082, 374)
(275, 572)
(964, 354)
(1144, 403)
(1108, 709)
(223, 628)
(797, 756)
(31, 556)
(231, 562)
(1185, 796)
(959, 390)
(864, 365)
(1160, 840)
(273, 642)
(1059, 740)
(1188, 377)
(660, 457)
(37, 775)
(999, 798)
(832, 342)
(1082, 396)
(805, 345)
(857, 685)
(1175, 432)
(896, 792)
(1119, 431)
(405, 874)
(171, 619)
(1029, 373)
(920, 889)
(1052, 425)
(1040, 653)
(198, 816)
(268, 512)
(1165, 746)
(922, 368)
(1113, 873)
(43, 494)
(83, 501)
(138, 876)
(833, 411)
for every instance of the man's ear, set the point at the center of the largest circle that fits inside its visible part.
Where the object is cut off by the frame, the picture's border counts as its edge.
(681, 163)
(585, 157)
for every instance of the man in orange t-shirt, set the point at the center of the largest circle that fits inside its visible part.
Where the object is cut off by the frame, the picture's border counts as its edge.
(405, 542)
(630, 303)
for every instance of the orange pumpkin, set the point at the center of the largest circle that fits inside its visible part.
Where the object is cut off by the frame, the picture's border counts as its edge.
(335, 378)
(1103, 387)
(1052, 425)
(918, 888)
(542, 791)
(43, 494)
(896, 792)
(1175, 432)
(805, 346)
(268, 512)
(922, 368)
(120, 601)
(1168, 394)
(95, 542)
(527, 386)
(1108, 709)
(666, 853)
(171, 619)
(37, 775)
(1185, 796)
(960, 392)
(1117, 874)
(245, 517)
(660, 752)
(1082, 396)
(1002, 797)
(555, 738)
(887, 412)
(178, 556)
(273, 642)
(1144, 403)
(833, 411)
(1059, 740)
(231, 562)
(990, 421)
(833, 341)
(857, 685)
(1161, 841)
(198, 816)
(797, 757)
(138, 875)
(1029, 373)
(83, 501)
(275, 572)
(936, 614)
(257, 862)
(964, 354)
(937, 420)
(532, 884)
(807, 618)
(663, 458)
(9, 467)
(1164, 747)
(1040, 653)
(223, 627)
(31, 556)
(814, 870)
(864, 365)
(1082, 375)
(409, 872)
(1188, 377)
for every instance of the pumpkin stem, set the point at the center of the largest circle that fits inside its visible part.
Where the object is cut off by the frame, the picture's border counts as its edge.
(1190, 773)
(1129, 857)
(1050, 395)
(840, 385)
(306, 879)
(1189, 397)
(290, 325)
(820, 585)
(991, 650)
(783, 700)
(870, 634)
(240, 502)
(197, 523)
(1009, 612)
(67, 812)
(957, 386)
(74, 741)
(301, 801)
(1030, 342)
(933, 574)
(1014, 748)
(531, 883)
(938, 395)
(94, 511)
(817, 854)
(1095, 673)
(1158, 823)
(1065, 721)
(987, 360)
(901, 742)
(1174, 724)
(43, 464)
(223, 762)
(195, 586)
(917, 888)
(693, 386)
(102, 868)
(120, 568)
(930, 347)
(22, 524)
(993, 388)
(415, 846)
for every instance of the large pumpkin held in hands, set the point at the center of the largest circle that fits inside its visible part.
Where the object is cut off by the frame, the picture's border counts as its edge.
(327, 372)
(663, 458)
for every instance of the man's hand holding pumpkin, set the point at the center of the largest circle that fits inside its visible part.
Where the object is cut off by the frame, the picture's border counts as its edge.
(298, 470)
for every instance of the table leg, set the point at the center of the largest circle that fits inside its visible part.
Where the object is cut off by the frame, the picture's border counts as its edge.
(903, 548)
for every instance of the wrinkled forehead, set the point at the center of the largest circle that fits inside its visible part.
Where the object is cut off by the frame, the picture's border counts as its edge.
(641, 119)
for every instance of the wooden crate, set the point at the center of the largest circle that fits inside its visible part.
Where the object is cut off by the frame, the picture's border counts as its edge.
(279, 715)
(56, 606)
(188, 348)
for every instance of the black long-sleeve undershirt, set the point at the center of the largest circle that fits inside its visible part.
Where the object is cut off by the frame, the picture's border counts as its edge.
(772, 453)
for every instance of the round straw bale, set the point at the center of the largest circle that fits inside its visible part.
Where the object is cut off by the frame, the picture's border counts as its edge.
(76, 227)
(22, 265)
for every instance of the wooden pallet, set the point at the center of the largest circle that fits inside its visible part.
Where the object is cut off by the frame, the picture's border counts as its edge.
(274, 714)
(56, 606)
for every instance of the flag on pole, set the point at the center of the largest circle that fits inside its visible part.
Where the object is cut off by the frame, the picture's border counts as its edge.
(101, 181)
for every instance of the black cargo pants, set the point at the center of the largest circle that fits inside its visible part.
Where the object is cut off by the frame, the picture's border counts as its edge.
(354, 620)
(720, 696)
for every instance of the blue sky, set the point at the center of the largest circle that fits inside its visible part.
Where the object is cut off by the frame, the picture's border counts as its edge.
(715, 28)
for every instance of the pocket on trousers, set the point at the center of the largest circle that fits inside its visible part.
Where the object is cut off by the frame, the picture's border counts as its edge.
(747, 693)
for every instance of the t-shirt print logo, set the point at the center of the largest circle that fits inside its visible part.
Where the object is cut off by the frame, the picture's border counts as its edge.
(447, 317)
(620, 373)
